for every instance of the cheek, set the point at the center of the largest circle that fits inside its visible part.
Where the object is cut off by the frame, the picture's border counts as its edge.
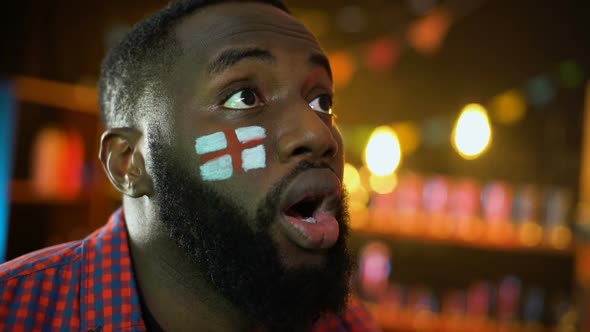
(231, 152)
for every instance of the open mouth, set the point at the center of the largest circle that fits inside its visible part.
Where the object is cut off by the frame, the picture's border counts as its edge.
(305, 209)
(309, 209)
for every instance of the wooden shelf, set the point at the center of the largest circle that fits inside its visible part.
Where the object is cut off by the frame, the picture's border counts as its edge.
(392, 320)
(57, 94)
(476, 234)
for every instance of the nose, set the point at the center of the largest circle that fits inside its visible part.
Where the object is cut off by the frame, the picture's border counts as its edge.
(307, 135)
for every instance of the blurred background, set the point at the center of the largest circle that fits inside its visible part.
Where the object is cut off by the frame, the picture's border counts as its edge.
(466, 139)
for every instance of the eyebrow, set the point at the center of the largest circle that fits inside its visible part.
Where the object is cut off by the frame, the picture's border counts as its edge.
(231, 57)
(321, 60)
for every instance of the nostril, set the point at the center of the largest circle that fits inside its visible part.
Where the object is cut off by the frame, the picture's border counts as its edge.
(329, 153)
(300, 150)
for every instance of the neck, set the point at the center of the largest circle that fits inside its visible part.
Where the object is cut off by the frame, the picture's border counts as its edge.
(175, 293)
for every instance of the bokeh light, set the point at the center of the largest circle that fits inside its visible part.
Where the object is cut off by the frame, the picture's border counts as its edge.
(435, 194)
(365, 175)
(540, 91)
(358, 196)
(355, 138)
(436, 131)
(509, 107)
(427, 34)
(343, 67)
(472, 134)
(358, 200)
(382, 54)
(374, 268)
(351, 19)
(409, 136)
(352, 178)
(560, 237)
(383, 152)
(571, 74)
(530, 234)
(383, 184)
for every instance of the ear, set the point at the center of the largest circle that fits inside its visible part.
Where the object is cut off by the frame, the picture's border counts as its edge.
(123, 161)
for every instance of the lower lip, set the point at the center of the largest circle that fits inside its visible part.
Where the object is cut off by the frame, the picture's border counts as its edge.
(322, 234)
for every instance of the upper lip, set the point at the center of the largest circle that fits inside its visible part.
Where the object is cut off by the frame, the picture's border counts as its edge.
(318, 184)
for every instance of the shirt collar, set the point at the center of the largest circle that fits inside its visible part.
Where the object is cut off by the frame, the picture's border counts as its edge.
(108, 290)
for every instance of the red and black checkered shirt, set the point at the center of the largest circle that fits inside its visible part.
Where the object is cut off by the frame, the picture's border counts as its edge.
(88, 285)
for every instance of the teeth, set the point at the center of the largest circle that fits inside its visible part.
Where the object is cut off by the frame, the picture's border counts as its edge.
(310, 220)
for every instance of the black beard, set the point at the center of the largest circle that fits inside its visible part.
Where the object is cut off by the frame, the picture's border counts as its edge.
(241, 262)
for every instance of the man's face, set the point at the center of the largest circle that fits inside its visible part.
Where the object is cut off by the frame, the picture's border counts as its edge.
(267, 227)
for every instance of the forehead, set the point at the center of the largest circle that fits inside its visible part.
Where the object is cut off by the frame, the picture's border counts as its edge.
(215, 27)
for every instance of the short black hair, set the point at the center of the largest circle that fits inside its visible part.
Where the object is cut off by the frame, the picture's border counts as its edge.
(140, 61)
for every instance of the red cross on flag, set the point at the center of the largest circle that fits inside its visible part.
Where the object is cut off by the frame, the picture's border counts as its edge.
(233, 150)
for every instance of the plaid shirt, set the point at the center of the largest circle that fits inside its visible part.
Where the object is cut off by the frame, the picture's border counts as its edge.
(88, 285)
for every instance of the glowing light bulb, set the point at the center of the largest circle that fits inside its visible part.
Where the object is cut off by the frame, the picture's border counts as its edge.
(472, 134)
(383, 152)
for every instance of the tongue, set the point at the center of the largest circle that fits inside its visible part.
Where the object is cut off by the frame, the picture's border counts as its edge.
(321, 234)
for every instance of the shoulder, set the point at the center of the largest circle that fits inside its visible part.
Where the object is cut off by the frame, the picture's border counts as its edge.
(358, 318)
(41, 260)
(39, 290)
(356, 312)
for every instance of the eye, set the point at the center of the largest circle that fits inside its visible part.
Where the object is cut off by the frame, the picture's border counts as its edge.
(242, 100)
(322, 104)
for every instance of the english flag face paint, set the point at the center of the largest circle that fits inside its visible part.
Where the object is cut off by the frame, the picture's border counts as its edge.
(231, 151)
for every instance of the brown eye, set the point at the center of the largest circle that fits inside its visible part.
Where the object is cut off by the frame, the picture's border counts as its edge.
(322, 104)
(243, 99)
